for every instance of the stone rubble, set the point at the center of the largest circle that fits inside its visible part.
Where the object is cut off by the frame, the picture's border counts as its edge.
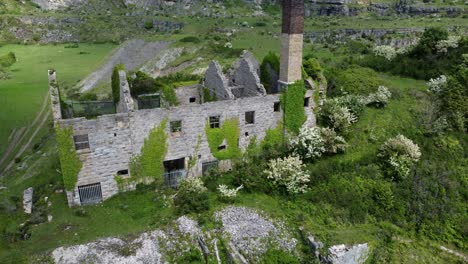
(250, 232)
(144, 249)
(188, 226)
(342, 254)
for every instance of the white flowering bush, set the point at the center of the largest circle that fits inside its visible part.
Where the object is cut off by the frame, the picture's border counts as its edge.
(442, 46)
(193, 184)
(437, 85)
(312, 143)
(309, 144)
(288, 173)
(336, 116)
(398, 155)
(379, 98)
(228, 45)
(333, 142)
(229, 193)
(388, 52)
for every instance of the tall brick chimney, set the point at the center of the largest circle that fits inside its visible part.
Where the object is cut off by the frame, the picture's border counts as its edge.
(291, 42)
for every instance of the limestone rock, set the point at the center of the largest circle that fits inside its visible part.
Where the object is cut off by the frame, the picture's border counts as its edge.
(28, 200)
(342, 254)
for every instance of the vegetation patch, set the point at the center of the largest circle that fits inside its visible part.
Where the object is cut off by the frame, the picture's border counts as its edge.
(229, 133)
(69, 160)
(292, 102)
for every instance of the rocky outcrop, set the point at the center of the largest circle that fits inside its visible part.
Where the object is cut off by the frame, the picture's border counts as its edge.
(399, 37)
(341, 254)
(56, 4)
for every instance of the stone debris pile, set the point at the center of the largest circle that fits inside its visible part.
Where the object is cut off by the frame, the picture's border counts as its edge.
(250, 232)
(188, 226)
(144, 249)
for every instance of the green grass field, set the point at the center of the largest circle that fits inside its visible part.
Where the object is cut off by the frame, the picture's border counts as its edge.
(21, 96)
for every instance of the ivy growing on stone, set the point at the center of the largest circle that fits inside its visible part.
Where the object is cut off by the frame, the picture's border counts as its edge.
(292, 102)
(229, 131)
(69, 160)
(149, 164)
(115, 82)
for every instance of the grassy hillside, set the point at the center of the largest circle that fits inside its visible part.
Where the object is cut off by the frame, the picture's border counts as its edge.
(22, 95)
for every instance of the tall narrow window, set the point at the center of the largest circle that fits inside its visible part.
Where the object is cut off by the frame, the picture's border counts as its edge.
(250, 117)
(81, 142)
(276, 107)
(214, 121)
(306, 101)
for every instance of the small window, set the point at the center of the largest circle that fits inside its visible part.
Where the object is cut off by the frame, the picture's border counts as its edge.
(115, 134)
(214, 121)
(192, 99)
(250, 117)
(222, 147)
(176, 126)
(306, 101)
(276, 107)
(81, 142)
(122, 172)
(246, 134)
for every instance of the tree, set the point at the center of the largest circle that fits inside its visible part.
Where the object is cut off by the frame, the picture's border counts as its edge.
(115, 82)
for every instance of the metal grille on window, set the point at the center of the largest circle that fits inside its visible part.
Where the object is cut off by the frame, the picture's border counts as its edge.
(81, 142)
(90, 194)
(173, 178)
(207, 166)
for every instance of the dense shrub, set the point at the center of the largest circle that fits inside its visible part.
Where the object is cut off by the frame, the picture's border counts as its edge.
(143, 84)
(312, 68)
(354, 80)
(332, 141)
(192, 196)
(398, 156)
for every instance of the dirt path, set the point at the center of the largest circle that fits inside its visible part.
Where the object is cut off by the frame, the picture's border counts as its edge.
(132, 54)
(41, 118)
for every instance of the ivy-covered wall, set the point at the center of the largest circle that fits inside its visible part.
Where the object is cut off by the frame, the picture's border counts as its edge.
(292, 102)
(69, 160)
(216, 136)
(149, 164)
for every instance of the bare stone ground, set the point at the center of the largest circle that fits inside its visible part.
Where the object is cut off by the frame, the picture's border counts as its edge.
(132, 54)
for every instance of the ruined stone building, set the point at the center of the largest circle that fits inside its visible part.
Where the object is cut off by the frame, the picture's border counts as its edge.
(106, 144)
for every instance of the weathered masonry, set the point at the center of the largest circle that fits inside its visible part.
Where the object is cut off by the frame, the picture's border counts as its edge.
(106, 144)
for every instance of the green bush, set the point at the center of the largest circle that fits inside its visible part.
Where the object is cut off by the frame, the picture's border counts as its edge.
(144, 84)
(8, 59)
(169, 95)
(149, 25)
(312, 68)
(115, 82)
(270, 62)
(354, 80)
(190, 39)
